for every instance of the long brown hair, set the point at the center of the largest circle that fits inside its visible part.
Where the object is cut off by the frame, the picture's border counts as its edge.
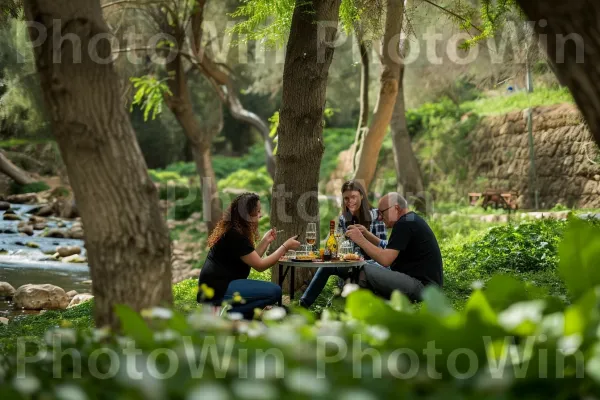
(364, 214)
(236, 216)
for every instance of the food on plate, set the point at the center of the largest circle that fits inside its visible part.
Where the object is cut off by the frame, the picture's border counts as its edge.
(351, 257)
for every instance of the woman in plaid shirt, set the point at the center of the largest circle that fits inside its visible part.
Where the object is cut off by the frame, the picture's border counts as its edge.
(356, 211)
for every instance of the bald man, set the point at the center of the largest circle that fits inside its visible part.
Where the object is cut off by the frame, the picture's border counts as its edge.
(412, 258)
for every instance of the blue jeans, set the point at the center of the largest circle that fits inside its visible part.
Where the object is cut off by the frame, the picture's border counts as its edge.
(257, 294)
(319, 281)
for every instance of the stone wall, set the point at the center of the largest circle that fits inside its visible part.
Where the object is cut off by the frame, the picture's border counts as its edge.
(566, 157)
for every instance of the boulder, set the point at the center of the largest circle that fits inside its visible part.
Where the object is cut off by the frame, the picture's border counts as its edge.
(27, 198)
(39, 297)
(76, 232)
(72, 294)
(80, 299)
(4, 206)
(64, 251)
(3, 320)
(37, 220)
(6, 290)
(88, 282)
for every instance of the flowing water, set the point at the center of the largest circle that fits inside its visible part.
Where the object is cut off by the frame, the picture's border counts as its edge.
(21, 264)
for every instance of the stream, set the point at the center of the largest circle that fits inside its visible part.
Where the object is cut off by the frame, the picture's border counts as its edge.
(21, 264)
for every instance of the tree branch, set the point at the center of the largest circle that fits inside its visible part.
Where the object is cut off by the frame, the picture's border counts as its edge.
(453, 14)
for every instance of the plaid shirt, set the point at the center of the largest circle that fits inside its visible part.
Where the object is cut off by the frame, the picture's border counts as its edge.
(377, 228)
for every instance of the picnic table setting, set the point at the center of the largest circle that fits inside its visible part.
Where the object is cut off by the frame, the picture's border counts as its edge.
(327, 257)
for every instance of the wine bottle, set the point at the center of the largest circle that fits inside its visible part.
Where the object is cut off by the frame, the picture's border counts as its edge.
(331, 244)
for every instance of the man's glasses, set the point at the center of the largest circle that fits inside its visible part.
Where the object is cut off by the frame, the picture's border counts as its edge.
(380, 212)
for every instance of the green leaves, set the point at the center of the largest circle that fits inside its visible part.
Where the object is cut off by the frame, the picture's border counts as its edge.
(579, 254)
(149, 95)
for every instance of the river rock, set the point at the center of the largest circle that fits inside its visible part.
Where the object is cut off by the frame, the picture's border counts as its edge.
(26, 229)
(38, 297)
(6, 290)
(45, 211)
(11, 217)
(3, 320)
(76, 232)
(27, 198)
(56, 233)
(80, 299)
(75, 258)
(39, 226)
(37, 220)
(4, 206)
(68, 251)
(72, 294)
(88, 282)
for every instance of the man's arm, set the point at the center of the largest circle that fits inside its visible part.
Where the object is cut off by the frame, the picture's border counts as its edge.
(384, 257)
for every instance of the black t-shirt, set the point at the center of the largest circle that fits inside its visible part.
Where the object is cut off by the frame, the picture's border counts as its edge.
(223, 263)
(420, 255)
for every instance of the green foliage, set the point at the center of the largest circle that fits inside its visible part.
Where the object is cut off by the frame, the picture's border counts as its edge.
(150, 94)
(530, 246)
(579, 257)
(510, 341)
(336, 140)
(34, 187)
(429, 115)
(166, 177)
(225, 166)
(518, 101)
(257, 181)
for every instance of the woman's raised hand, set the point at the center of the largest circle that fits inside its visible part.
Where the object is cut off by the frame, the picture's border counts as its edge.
(292, 243)
(270, 236)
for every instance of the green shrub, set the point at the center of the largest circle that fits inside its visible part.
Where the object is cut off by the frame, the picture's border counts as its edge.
(257, 181)
(335, 140)
(166, 176)
(34, 187)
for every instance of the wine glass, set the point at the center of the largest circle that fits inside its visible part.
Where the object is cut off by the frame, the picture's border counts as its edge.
(339, 233)
(311, 234)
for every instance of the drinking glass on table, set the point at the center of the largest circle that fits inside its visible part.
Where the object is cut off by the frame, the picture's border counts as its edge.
(311, 234)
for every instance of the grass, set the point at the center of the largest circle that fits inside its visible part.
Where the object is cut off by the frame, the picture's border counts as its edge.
(518, 101)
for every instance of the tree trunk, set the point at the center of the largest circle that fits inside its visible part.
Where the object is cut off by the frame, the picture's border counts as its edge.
(580, 74)
(408, 172)
(307, 60)
(363, 119)
(369, 148)
(223, 78)
(127, 239)
(15, 173)
(180, 103)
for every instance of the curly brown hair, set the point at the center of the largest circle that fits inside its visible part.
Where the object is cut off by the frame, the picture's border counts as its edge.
(236, 216)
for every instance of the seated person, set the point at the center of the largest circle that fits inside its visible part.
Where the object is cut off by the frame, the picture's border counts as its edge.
(412, 253)
(357, 213)
(232, 254)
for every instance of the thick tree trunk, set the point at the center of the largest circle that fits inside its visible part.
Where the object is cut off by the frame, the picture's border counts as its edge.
(126, 236)
(307, 61)
(578, 69)
(369, 148)
(180, 103)
(15, 173)
(363, 119)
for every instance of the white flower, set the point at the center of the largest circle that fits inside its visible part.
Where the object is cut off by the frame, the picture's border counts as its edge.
(70, 392)
(254, 390)
(235, 316)
(305, 381)
(101, 334)
(274, 314)
(568, 345)
(206, 321)
(158, 312)
(208, 391)
(349, 288)
(357, 394)
(378, 332)
(166, 335)
(520, 312)
(26, 385)
(330, 328)
(477, 285)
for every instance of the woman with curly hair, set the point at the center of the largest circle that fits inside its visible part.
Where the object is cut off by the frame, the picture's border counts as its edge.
(232, 254)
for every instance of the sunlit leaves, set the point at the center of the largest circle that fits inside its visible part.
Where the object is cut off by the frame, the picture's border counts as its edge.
(149, 95)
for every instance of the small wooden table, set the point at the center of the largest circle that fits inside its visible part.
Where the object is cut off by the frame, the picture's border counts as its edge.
(292, 265)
